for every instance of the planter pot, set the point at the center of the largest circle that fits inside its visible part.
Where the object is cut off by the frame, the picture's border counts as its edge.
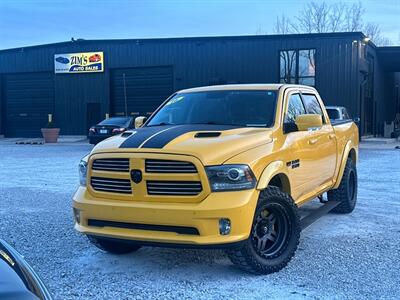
(50, 135)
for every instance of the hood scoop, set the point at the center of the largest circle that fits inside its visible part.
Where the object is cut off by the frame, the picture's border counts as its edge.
(210, 134)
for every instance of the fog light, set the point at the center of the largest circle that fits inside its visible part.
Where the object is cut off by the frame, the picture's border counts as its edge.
(224, 226)
(77, 215)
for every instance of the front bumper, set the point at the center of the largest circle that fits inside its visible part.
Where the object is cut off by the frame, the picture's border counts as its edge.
(238, 206)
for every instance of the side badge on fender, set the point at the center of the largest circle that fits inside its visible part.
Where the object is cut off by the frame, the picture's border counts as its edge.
(294, 163)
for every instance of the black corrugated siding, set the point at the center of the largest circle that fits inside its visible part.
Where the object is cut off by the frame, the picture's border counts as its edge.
(144, 89)
(28, 99)
(195, 62)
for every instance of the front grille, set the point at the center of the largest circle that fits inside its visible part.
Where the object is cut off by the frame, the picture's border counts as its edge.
(165, 228)
(111, 164)
(111, 185)
(169, 166)
(181, 188)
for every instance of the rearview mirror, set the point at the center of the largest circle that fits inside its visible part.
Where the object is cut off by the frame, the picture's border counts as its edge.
(305, 122)
(139, 121)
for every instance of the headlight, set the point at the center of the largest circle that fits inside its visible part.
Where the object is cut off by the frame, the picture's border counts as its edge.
(82, 172)
(230, 178)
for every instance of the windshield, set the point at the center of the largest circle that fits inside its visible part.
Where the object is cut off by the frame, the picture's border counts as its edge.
(118, 121)
(252, 108)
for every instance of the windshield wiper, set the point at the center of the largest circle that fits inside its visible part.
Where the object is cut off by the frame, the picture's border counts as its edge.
(160, 124)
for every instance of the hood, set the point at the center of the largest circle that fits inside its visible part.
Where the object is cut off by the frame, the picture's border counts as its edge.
(212, 144)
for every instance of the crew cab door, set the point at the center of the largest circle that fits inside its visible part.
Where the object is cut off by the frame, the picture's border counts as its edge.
(299, 153)
(322, 141)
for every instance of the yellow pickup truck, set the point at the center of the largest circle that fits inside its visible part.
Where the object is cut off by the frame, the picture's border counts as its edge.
(222, 167)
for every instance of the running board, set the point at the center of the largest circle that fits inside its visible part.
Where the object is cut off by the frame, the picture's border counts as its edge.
(318, 213)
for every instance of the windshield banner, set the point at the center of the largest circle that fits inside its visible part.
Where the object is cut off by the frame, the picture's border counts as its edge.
(79, 62)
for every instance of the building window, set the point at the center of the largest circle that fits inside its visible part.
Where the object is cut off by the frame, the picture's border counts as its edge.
(297, 66)
(288, 66)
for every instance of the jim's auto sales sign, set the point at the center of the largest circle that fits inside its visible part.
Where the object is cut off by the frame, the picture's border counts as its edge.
(79, 62)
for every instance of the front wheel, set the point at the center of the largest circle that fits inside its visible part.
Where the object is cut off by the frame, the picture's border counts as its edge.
(274, 235)
(112, 246)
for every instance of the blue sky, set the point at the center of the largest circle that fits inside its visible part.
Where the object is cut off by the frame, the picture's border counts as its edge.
(24, 22)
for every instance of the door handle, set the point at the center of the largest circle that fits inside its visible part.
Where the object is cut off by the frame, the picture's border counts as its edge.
(331, 136)
(312, 141)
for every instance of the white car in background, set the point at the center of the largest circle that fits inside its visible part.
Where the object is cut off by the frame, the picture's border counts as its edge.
(337, 113)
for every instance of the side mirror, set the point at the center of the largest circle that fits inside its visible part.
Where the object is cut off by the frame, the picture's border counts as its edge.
(305, 122)
(139, 121)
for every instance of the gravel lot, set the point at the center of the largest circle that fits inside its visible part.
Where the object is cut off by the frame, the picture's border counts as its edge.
(340, 257)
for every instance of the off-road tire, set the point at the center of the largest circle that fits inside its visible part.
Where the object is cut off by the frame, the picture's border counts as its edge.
(112, 246)
(247, 257)
(346, 193)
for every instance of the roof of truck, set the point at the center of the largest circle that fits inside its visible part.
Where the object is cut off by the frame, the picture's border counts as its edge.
(225, 87)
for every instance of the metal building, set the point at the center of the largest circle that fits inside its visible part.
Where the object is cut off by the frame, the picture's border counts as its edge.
(137, 75)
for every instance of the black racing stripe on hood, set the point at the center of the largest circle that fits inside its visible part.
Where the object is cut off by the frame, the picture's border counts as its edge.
(142, 134)
(162, 139)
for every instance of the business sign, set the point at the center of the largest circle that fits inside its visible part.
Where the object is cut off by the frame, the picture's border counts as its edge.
(79, 62)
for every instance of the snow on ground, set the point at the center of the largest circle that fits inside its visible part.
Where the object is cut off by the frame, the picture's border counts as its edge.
(339, 257)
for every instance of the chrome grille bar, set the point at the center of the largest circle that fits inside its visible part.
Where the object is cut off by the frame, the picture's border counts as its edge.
(111, 164)
(190, 188)
(169, 166)
(111, 185)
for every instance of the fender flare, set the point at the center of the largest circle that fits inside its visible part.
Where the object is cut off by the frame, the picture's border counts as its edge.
(346, 152)
(274, 168)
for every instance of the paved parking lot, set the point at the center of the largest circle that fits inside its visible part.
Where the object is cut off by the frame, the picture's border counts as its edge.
(354, 256)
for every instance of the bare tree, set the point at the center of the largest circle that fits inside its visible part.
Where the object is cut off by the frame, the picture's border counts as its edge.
(260, 30)
(336, 20)
(353, 17)
(373, 31)
(283, 25)
(319, 17)
(313, 18)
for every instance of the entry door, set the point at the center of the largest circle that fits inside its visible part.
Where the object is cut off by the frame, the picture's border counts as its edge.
(368, 100)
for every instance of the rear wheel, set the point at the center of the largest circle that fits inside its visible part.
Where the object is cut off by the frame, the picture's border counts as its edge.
(112, 246)
(274, 235)
(346, 193)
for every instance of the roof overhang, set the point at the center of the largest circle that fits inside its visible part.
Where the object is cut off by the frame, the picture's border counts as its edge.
(389, 58)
